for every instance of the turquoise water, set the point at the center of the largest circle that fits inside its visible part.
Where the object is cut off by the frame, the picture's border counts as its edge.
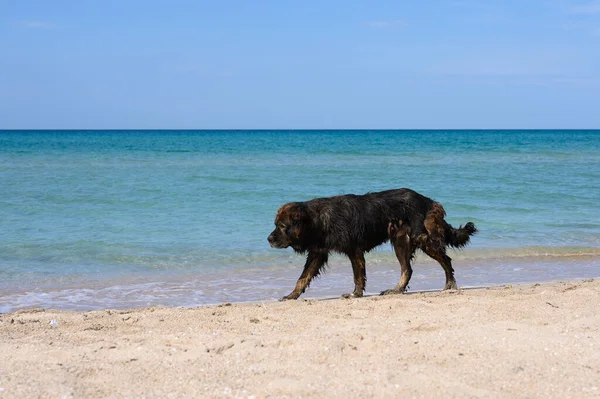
(96, 219)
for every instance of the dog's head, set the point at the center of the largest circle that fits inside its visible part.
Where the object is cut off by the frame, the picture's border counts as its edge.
(289, 225)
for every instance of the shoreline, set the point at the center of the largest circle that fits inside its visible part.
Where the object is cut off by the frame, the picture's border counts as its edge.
(197, 288)
(305, 297)
(521, 340)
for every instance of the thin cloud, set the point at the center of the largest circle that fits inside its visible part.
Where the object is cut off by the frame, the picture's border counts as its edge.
(585, 27)
(458, 4)
(501, 65)
(205, 71)
(30, 24)
(386, 23)
(587, 9)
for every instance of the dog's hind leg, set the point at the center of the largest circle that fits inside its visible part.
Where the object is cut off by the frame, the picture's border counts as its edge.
(360, 275)
(434, 244)
(404, 249)
(314, 262)
(437, 250)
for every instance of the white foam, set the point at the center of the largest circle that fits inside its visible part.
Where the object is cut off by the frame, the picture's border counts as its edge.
(255, 285)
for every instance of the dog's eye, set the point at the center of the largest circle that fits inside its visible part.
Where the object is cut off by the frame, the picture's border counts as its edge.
(281, 226)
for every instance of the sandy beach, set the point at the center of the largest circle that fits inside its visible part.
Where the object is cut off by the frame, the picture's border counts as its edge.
(511, 341)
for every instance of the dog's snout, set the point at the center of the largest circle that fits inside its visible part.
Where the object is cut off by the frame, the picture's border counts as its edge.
(272, 240)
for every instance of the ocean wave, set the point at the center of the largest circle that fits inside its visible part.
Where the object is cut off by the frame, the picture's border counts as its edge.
(127, 259)
(532, 253)
(529, 252)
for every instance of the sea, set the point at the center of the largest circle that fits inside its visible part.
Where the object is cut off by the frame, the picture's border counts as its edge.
(122, 219)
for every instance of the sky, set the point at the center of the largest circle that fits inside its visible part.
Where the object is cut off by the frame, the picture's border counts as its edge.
(281, 64)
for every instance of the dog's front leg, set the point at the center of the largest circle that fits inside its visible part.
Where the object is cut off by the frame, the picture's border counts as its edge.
(312, 268)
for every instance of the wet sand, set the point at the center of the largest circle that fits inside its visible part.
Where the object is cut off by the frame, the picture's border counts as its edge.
(526, 340)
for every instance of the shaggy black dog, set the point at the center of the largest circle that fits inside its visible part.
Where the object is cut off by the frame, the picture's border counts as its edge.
(355, 224)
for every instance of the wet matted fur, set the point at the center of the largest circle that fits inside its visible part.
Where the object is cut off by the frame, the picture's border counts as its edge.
(355, 224)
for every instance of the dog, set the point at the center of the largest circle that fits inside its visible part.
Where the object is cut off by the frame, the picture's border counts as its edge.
(355, 224)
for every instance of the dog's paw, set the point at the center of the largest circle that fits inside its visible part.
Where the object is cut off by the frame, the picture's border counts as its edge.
(392, 292)
(353, 295)
(289, 297)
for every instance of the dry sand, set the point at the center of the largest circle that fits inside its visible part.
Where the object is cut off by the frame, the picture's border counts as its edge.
(519, 341)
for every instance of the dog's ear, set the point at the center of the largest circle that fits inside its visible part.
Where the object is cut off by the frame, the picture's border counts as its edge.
(298, 215)
(298, 212)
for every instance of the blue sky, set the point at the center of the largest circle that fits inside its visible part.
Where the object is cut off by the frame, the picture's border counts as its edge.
(299, 64)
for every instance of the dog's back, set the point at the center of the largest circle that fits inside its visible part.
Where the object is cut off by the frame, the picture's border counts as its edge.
(349, 222)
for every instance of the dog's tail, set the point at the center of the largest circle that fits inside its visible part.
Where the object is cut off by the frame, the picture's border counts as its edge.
(438, 229)
(460, 237)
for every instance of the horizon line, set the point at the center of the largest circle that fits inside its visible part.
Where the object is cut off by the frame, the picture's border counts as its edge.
(289, 129)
